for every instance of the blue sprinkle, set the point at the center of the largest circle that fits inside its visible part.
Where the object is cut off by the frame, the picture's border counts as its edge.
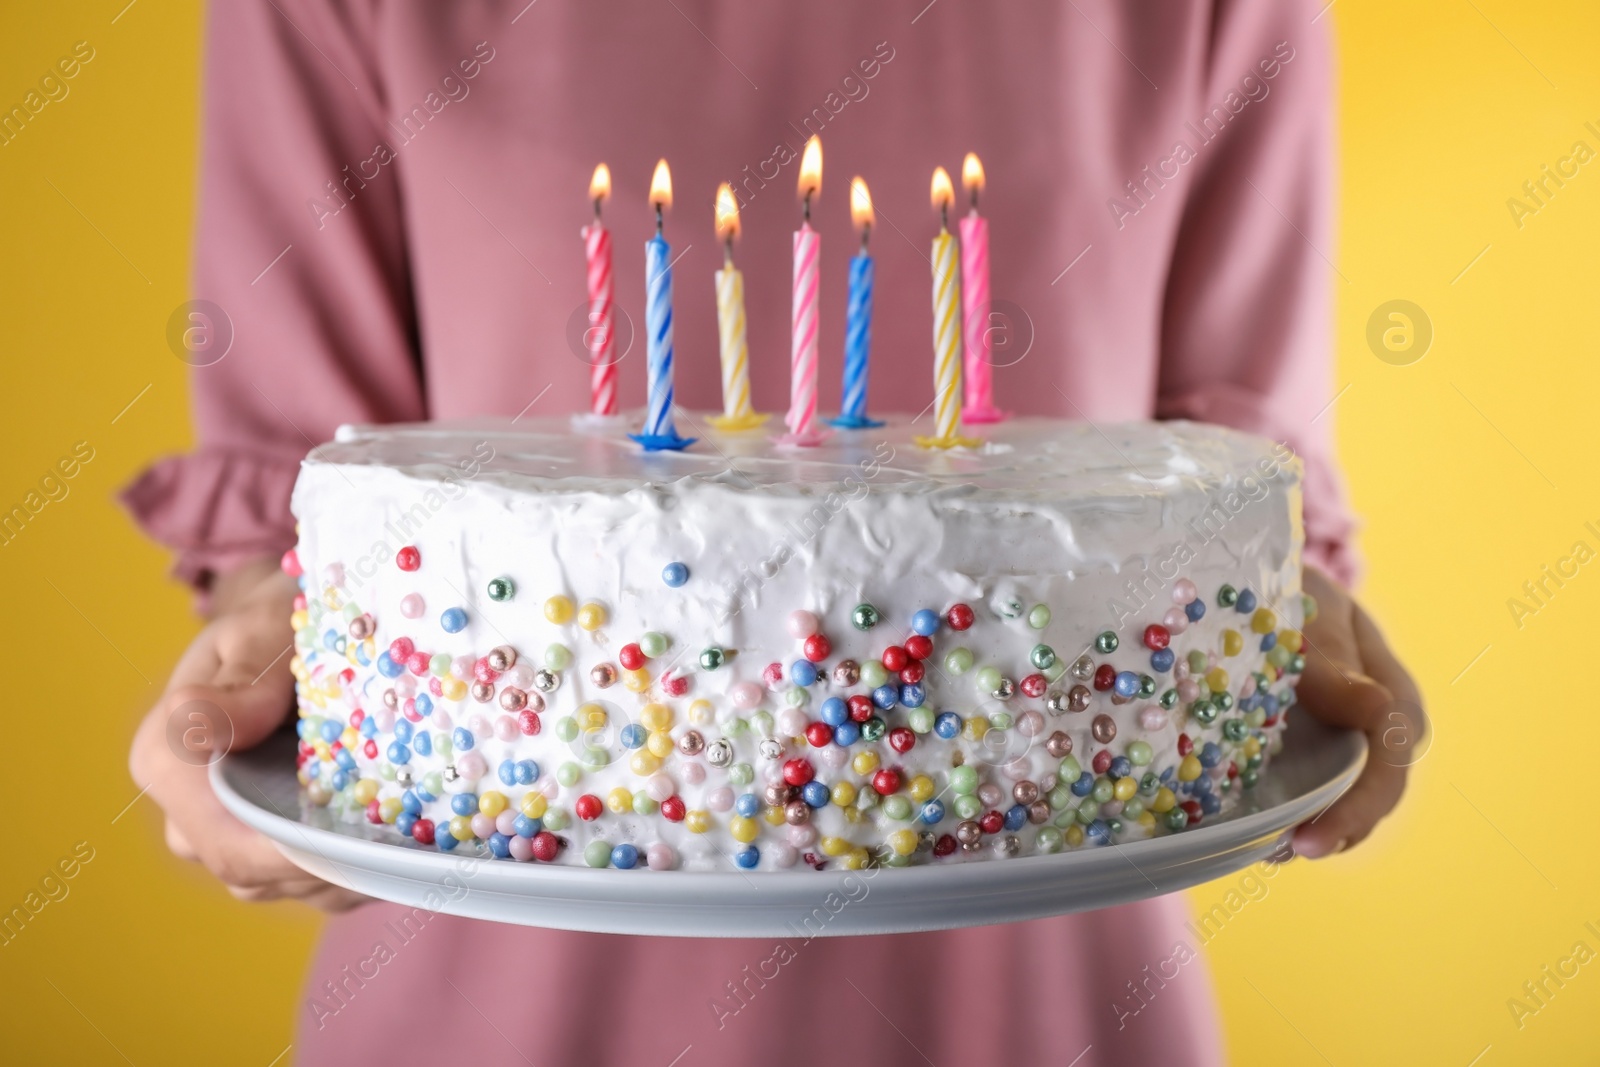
(1269, 642)
(748, 805)
(424, 705)
(464, 803)
(1127, 684)
(330, 640)
(361, 654)
(885, 696)
(932, 812)
(387, 666)
(423, 744)
(1269, 704)
(675, 574)
(1084, 785)
(1161, 660)
(846, 734)
(1195, 609)
(1016, 817)
(947, 725)
(404, 822)
(1210, 754)
(1246, 602)
(527, 772)
(1098, 832)
(625, 857)
(369, 727)
(925, 622)
(835, 712)
(747, 857)
(423, 795)
(403, 730)
(444, 838)
(803, 672)
(912, 695)
(507, 772)
(815, 794)
(526, 827)
(1210, 805)
(1121, 767)
(339, 780)
(462, 737)
(399, 753)
(500, 845)
(331, 730)
(410, 802)
(633, 735)
(454, 620)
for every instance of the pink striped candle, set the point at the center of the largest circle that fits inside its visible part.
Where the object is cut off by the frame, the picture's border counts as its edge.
(802, 417)
(979, 377)
(599, 339)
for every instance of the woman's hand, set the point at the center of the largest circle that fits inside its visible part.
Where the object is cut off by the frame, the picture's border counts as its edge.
(1352, 679)
(231, 689)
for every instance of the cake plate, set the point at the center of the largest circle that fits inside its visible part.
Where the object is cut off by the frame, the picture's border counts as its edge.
(258, 786)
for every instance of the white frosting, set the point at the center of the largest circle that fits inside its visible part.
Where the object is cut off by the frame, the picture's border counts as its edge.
(1099, 524)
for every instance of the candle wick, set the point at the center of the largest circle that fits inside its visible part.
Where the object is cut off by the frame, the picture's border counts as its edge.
(597, 210)
(944, 217)
(727, 252)
(866, 230)
(658, 218)
(806, 216)
(974, 199)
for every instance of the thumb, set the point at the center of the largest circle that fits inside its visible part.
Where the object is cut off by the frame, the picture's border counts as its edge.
(226, 718)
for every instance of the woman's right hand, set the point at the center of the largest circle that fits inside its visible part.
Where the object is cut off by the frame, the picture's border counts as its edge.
(231, 689)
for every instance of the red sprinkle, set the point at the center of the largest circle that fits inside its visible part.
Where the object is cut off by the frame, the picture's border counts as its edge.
(919, 647)
(1105, 676)
(588, 807)
(631, 656)
(946, 844)
(1033, 685)
(1185, 745)
(528, 721)
(959, 617)
(408, 558)
(674, 685)
(895, 658)
(1192, 808)
(860, 707)
(1102, 761)
(545, 846)
(912, 673)
(816, 648)
(370, 749)
(901, 739)
(673, 809)
(372, 807)
(401, 650)
(798, 771)
(992, 822)
(1156, 637)
(886, 781)
(773, 675)
(291, 564)
(818, 734)
(422, 831)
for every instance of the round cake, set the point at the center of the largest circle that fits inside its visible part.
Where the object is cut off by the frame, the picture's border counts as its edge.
(543, 644)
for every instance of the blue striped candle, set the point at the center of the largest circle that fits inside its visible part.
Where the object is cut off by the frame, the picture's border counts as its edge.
(658, 432)
(858, 321)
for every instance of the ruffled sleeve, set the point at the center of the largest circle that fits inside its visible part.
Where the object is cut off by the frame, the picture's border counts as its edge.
(1247, 334)
(309, 268)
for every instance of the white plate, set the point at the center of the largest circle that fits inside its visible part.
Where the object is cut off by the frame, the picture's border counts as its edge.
(1316, 765)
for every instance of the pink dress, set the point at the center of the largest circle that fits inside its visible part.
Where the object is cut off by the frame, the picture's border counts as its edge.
(391, 199)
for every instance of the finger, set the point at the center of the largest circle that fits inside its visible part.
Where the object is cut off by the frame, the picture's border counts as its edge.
(179, 844)
(334, 899)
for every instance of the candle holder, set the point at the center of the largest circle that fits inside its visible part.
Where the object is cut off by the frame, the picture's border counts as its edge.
(737, 423)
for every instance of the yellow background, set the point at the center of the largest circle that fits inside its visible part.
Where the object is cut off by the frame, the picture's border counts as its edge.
(1472, 469)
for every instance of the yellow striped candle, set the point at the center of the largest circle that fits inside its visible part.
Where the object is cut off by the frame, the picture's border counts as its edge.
(946, 325)
(738, 413)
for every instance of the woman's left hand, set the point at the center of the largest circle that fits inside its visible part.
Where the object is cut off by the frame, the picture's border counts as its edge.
(1353, 679)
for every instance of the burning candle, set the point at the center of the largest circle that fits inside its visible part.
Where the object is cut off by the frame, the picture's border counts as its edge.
(946, 325)
(599, 338)
(737, 411)
(659, 432)
(858, 319)
(979, 406)
(802, 417)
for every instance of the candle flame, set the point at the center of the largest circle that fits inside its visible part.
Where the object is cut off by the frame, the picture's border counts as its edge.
(661, 186)
(811, 168)
(943, 193)
(600, 184)
(972, 174)
(860, 204)
(727, 213)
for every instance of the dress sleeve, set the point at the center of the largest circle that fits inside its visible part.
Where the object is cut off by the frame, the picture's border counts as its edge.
(1247, 333)
(300, 243)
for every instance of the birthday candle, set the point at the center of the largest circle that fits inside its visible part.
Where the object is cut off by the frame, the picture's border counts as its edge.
(802, 417)
(979, 406)
(599, 337)
(946, 317)
(858, 320)
(659, 432)
(738, 412)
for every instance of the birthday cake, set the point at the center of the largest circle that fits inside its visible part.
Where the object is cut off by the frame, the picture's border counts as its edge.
(540, 644)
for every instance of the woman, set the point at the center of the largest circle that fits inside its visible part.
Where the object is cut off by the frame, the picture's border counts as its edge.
(390, 201)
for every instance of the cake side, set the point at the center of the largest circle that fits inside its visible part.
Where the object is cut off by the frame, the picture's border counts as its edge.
(547, 645)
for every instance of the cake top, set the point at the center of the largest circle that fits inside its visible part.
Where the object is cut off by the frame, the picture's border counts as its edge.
(1023, 457)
